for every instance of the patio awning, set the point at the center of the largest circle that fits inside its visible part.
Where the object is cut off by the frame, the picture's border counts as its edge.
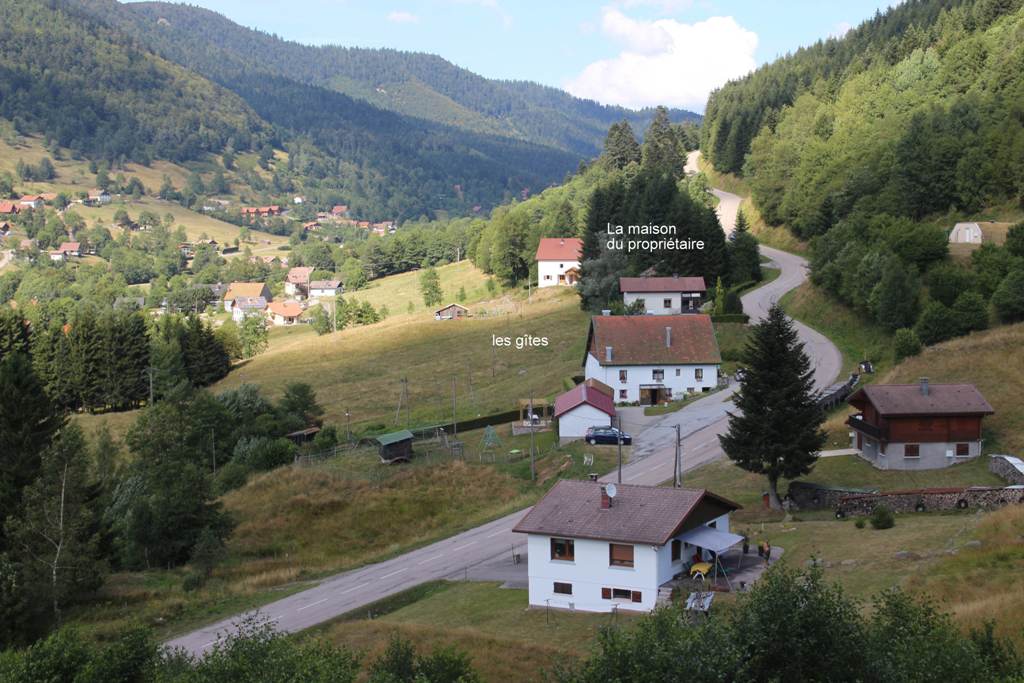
(711, 539)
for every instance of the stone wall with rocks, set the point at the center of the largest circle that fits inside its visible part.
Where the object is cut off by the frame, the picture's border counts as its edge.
(807, 496)
(1008, 467)
(930, 500)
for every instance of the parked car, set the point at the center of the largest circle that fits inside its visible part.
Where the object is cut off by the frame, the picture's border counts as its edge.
(606, 435)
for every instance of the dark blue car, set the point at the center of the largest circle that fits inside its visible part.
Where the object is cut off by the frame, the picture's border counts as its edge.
(607, 435)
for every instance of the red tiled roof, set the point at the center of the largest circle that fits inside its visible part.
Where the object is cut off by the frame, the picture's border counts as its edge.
(8, 207)
(907, 399)
(299, 275)
(69, 246)
(288, 309)
(661, 284)
(641, 339)
(559, 249)
(639, 514)
(581, 394)
(244, 289)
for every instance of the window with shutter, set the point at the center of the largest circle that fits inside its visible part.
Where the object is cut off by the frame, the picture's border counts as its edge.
(620, 555)
(606, 593)
(637, 597)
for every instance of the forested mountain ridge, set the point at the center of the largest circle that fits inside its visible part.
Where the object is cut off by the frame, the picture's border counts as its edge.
(415, 84)
(876, 144)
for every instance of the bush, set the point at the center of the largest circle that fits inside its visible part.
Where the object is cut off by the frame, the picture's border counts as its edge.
(882, 518)
(936, 324)
(906, 343)
(1008, 298)
(731, 318)
(231, 476)
(193, 581)
(859, 523)
(262, 453)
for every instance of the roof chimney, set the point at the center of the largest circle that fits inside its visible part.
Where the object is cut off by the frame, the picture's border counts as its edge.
(668, 337)
(562, 241)
(606, 502)
(607, 354)
(593, 476)
(606, 311)
(924, 386)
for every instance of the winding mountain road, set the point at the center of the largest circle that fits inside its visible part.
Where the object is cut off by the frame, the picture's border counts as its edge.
(651, 463)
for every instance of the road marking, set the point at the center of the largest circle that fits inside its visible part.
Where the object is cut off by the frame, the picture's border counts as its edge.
(638, 474)
(463, 547)
(353, 588)
(497, 533)
(314, 604)
(397, 571)
(212, 642)
(431, 559)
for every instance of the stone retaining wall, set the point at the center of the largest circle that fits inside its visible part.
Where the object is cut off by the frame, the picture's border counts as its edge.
(1009, 468)
(930, 500)
(807, 496)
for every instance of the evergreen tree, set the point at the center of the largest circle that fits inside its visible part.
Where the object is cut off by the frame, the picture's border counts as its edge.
(906, 343)
(937, 323)
(662, 152)
(777, 431)
(28, 423)
(14, 332)
(971, 312)
(1008, 299)
(894, 300)
(744, 253)
(620, 146)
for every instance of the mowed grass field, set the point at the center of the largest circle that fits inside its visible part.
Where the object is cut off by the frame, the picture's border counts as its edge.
(360, 369)
(505, 639)
(398, 291)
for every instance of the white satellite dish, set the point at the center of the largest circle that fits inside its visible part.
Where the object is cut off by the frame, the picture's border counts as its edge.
(611, 490)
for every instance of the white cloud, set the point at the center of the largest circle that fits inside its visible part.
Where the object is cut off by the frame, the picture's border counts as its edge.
(666, 61)
(494, 6)
(399, 17)
(664, 6)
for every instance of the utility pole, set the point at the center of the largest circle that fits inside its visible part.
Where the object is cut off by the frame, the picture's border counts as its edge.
(213, 450)
(348, 427)
(533, 437)
(150, 372)
(677, 478)
(618, 420)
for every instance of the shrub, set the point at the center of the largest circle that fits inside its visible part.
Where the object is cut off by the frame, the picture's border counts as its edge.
(936, 324)
(1008, 298)
(906, 343)
(859, 523)
(882, 518)
(231, 476)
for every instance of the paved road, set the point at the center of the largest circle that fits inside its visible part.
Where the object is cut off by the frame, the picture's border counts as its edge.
(652, 463)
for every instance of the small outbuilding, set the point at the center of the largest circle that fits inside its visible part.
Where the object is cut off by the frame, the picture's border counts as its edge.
(395, 447)
(451, 312)
(580, 408)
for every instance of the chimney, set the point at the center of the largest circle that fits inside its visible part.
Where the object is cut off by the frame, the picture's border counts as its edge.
(606, 311)
(607, 354)
(924, 386)
(668, 337)
(562, 242)
(606, 502)
(593, 476)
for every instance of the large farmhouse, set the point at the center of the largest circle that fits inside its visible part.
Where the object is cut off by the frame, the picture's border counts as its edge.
(652, 359)
(917, 426)
(593, 552)
(558, 261)
(663, 295)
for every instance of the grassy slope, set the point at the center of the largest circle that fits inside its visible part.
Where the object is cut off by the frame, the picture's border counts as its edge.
(73, 176)
(397, 291)
(506, 641)
(359, 369)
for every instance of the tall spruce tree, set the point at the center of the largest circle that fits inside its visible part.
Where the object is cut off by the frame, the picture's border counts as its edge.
(777, 429)
(621, 147)
(661, 150)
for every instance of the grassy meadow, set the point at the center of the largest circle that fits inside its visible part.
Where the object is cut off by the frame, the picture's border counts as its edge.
(359, 369)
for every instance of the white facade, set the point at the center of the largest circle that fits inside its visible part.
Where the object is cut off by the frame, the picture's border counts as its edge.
(551, 273)
(317, 292)
(573, 424)
(627, 380)
(664, 303)
(294, 290)
(590, 571)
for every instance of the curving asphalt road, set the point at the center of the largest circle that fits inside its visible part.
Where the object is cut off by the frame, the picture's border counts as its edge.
(651, 463)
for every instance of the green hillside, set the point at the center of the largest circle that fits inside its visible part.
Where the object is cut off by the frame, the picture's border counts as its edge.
(420, 85)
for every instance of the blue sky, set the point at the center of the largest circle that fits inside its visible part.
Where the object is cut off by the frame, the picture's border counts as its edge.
(629, 52)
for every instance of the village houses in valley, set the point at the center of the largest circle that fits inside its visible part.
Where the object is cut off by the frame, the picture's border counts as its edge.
(558, 261)
(652, 359)
(599, 547)
(917, 426)
(663, 295)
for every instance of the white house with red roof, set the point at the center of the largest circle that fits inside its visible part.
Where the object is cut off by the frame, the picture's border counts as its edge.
(652, 359)
(558, 261)
(284, 312)
(663, 295)
(597, 549)
(296, 283)
(580, 408)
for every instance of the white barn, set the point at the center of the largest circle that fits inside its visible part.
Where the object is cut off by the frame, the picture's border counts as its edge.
(965, 233)
(652, 359)
(591, 552)
(664, 295)
(558, 261)
(580, 408)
